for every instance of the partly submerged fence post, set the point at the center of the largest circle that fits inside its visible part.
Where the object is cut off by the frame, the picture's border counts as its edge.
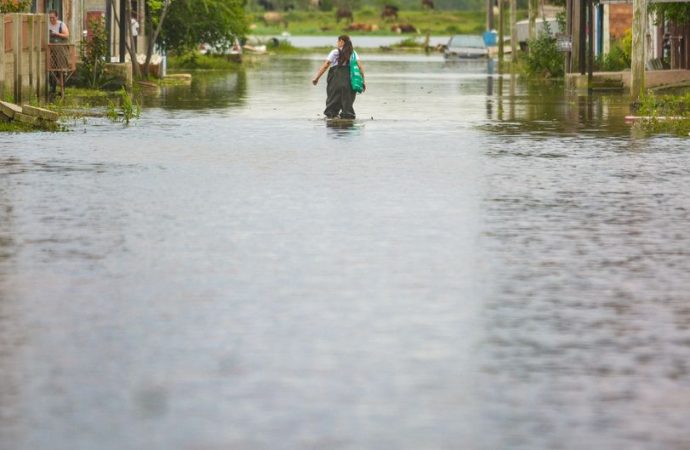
(639, 28)
(2, 57)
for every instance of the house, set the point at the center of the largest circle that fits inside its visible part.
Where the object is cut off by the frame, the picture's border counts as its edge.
(78, 13)
(666, 44)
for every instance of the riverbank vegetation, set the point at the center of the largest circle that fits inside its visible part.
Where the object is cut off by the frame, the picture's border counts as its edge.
(665, 114)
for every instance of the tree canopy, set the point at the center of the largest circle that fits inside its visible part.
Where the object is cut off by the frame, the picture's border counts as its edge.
(193, 22)
(675, 12)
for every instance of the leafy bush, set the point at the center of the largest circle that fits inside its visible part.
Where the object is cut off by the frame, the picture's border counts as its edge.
(619, 57)
(544, 59)
(93, 52)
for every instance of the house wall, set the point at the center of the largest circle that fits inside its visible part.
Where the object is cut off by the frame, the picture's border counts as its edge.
(620, 20)
(98, 8)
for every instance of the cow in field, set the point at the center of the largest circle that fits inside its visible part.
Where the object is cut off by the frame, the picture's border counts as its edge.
(427, 4)
(357, 26)
(274, 18)
(403, 28)
(389, 12)
(343, 13)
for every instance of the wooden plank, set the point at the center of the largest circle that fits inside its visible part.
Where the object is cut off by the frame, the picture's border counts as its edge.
(40, 112)
(10, 109)
(24, 118)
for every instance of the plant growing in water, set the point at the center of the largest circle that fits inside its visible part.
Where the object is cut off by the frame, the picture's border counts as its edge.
(126, 109)
(665, 114)
(544, 59)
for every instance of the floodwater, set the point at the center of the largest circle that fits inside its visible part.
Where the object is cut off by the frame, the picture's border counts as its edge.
(474, 263)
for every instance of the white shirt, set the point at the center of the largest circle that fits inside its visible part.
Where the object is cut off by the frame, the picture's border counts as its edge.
(333, 57)
(134, 27)
(57, 28)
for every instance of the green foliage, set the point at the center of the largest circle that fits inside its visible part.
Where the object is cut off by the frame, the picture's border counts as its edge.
(193, 22)
(544, 60)
(125, 109)
(675, 12)
(326, 5)
(619, 57)
(282, 47)
(668, 114)
(408, 43)
(13, 6)
(93, 52)
(195, 60)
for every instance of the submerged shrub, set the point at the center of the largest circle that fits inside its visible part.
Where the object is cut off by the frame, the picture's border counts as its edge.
(544, 60)
(619, 57)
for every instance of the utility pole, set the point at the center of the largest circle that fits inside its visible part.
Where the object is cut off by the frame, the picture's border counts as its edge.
(582, 57)
(123, 29)
(639, 27)
(532, 12)
(109, 26)
(590, 43)
(490, 15)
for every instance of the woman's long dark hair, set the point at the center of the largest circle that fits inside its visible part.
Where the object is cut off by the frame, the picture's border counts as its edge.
(346, 52)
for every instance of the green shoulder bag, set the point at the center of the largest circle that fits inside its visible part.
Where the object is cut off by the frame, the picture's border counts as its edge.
(356, 80)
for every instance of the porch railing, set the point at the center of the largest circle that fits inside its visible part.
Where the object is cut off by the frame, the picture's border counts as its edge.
(62, 62)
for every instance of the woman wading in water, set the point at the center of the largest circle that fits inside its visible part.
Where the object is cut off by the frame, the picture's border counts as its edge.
(339, 93)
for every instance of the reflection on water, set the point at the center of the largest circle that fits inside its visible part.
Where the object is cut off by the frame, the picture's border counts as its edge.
(209, 90)
(475, 262)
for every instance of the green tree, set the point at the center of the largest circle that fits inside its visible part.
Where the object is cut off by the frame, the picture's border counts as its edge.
(193, 22)
(675, 12)
(12, 6)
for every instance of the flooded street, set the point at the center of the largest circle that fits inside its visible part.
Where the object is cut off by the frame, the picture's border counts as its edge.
(475, 263)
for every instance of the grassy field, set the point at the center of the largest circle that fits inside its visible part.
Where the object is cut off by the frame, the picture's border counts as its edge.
(324, 22)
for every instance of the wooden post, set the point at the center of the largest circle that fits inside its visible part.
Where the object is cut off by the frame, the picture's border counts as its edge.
(489, 15)
(639, 27)
(574, 31)
(500, 35)
(17, 48)
(123, 28)
(2, 57)
(569, 33)
(532, 13)
(582, 57)
(513, 34)
(590, 43)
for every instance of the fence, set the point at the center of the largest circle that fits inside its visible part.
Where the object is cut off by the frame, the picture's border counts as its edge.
(62, 62)
(23, 61)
